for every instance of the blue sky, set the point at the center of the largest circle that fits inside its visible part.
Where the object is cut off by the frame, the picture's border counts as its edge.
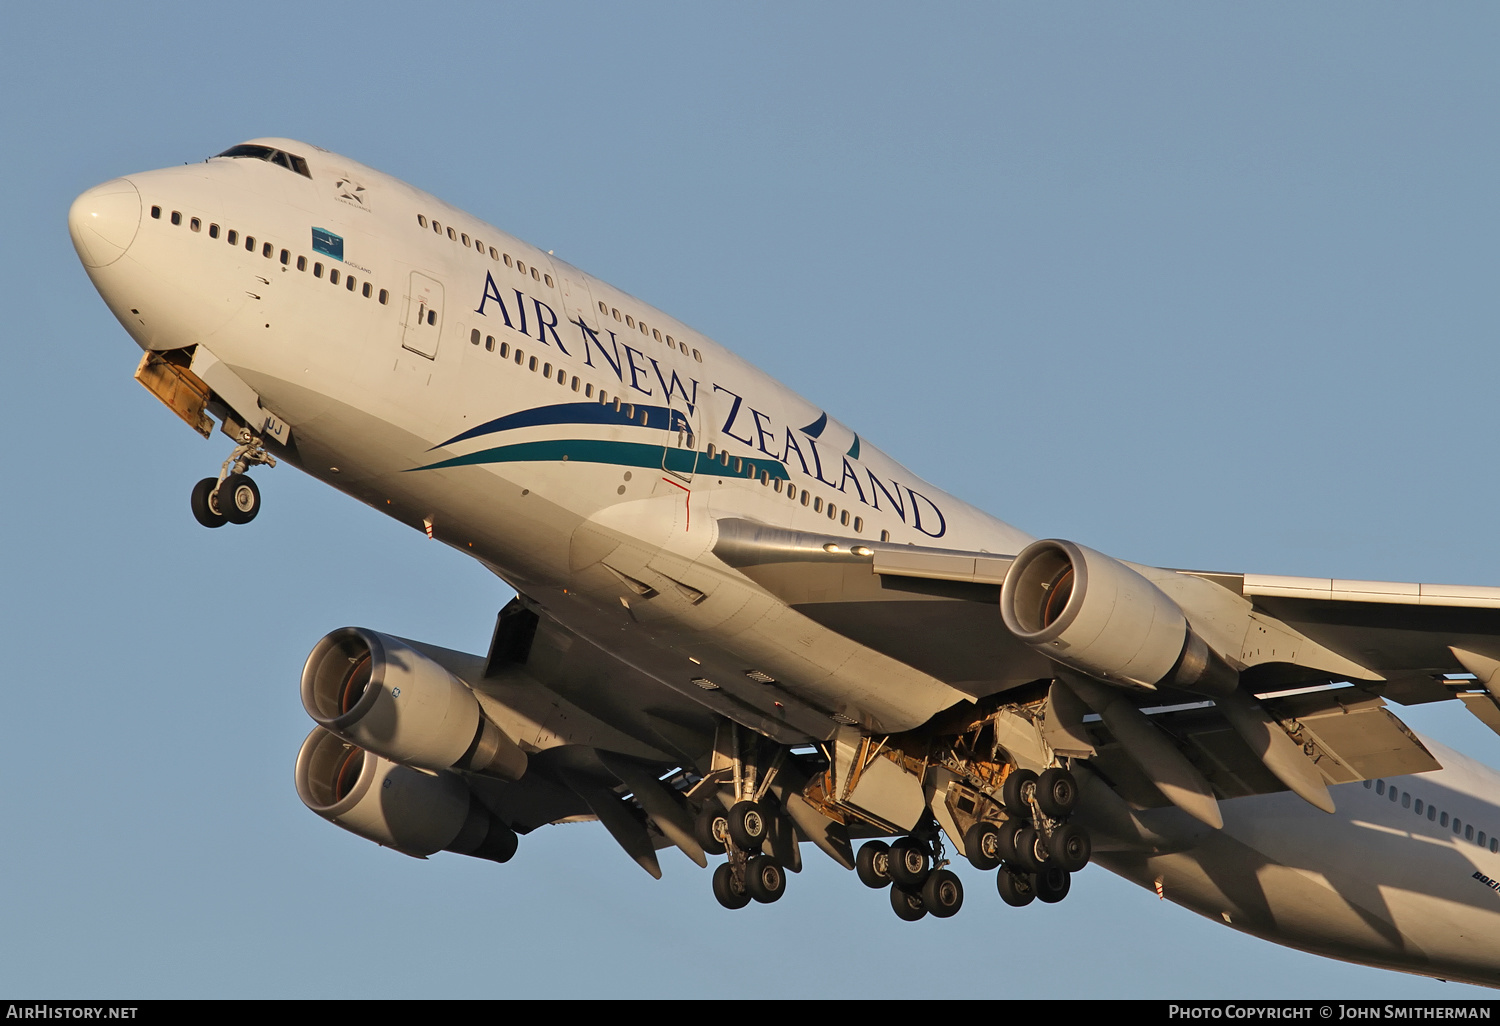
(1207, 286)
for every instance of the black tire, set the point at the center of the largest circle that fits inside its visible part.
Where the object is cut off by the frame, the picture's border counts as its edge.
(982, 846)
(1016, 889)
(239, 498)
(204, 509)
(1071, 847)
(1007, 832)
(1052, 886)
(911, 861)
(1020, 785)
(1057, 793)
(907, 905)
(873, 864)
(765, 881)
(1027, 859)
(711, 829)
(943, 893)
(748, 826)
(725, 890)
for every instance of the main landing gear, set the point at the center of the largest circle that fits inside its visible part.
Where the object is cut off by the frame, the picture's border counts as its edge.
(913, 868)
(1035, 850)
(232, 497)
(752, 824)
(748, 874)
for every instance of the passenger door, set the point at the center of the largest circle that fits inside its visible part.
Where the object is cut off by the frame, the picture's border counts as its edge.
(423, 327)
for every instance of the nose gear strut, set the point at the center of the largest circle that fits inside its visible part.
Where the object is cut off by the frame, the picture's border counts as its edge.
(232, 497)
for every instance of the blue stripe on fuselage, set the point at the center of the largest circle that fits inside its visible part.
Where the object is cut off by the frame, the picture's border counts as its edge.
(658, 417)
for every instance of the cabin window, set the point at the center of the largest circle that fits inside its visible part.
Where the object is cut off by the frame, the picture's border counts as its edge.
(629, 320)
(1495, 844)
(504, 350)
(494, 253)
(1405, 800)
(588, 391)
(805, 496)
(712, 449)
(520, 357)
(452, 235)
(507, 260)
(431, 314)
(437, 228)
(233, 238)
(177, 217)
(616, 314)
(817, 504)
(844, 518)
(317, 270)
(575, 384)
(1457, 825)
(1469, 832)
(656, 334)
(765, 477)
(302, 263)
(422, 220)
(1431, 812)
(546, 370)
(739, 465)
(1380, 787)
(489, 343)
(365, 290)
(465, 237)
(791, 490)
(697, 356)
(562, 376)
(479, 247)
(603, 308)
(286, 257)
(333, 275)
(1418, 807)
(474, 337)
(349, 283)
(266, 250)
(777, 485)
(249, 243)
(213, 231)
(671, 342)
(859, 525)
(384, 297)
(1394, 796)
(520, 267)
(548, 279)
(156, 213)
(195, 224)
(531, 364)
(1443, 819)
(885, 536)
(534, 275)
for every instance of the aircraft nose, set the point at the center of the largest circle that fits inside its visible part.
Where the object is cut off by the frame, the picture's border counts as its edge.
(104, 220)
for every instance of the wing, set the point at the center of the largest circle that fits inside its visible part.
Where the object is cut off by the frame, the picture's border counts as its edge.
(1315, 658)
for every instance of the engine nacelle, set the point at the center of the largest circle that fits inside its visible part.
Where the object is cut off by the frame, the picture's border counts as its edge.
(385, 696)
(1093, 613)
(415, 811)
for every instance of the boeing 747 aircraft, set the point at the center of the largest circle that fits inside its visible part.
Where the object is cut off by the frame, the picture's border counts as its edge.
(744, 631)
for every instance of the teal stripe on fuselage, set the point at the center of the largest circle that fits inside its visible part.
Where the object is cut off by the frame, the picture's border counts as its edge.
(619, 454)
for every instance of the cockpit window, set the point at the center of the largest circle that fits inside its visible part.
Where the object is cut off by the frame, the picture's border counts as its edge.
(290, 161)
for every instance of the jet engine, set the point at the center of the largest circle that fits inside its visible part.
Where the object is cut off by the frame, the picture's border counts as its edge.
(1096, 615)
(383, 695)
(415, 811)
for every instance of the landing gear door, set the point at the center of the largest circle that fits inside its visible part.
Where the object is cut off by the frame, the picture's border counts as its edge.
(423, 325)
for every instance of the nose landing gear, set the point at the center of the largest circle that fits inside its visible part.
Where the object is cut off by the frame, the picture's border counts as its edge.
(232, 497)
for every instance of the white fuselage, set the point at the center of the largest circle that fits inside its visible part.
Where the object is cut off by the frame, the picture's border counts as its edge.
(457, 388)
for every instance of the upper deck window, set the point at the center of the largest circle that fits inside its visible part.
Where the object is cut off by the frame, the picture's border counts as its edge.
(281, 158)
